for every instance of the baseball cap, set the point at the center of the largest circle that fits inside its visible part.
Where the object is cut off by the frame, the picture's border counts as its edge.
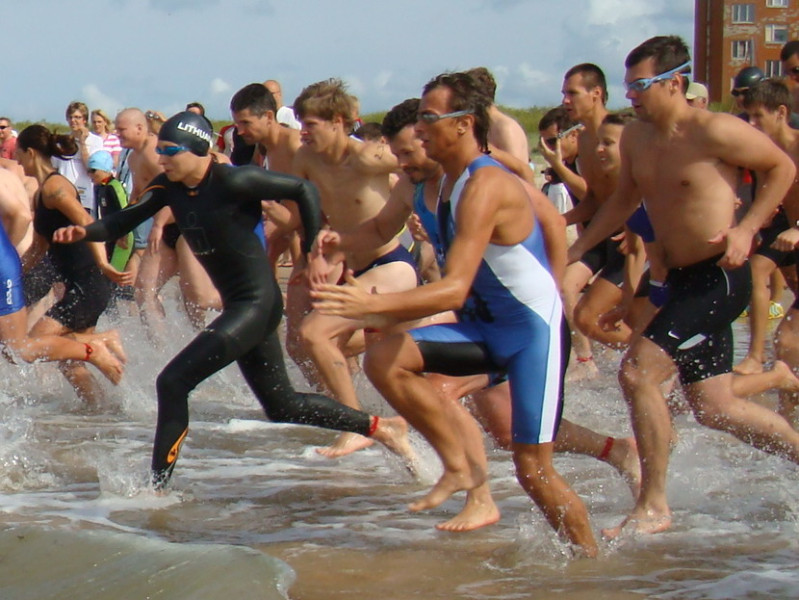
(696, 90)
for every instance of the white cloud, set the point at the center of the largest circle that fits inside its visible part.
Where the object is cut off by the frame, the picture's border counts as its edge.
(612, 12)
(220, 86)
(382, 80)
(94, 97)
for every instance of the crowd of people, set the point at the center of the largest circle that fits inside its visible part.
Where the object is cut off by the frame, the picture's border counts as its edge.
(423, 252)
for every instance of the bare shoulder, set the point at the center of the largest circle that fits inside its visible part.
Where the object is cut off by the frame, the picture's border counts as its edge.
(372, 157)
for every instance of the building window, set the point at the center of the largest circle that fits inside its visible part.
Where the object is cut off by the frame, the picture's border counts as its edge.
(742, 49)
(776, 34)
(743, 13)
(773, 68)
(776, 3)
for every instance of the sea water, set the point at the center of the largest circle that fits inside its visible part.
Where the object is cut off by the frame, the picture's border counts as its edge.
(255, 512)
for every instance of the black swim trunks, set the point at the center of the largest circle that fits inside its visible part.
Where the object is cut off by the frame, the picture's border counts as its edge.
(694, 326)
(398, 254)
(605, 257)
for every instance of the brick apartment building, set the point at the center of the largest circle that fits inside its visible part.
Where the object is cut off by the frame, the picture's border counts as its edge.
(732, 34)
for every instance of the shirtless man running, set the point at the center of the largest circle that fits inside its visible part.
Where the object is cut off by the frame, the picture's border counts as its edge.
(691, 206)
(584, 97)
(353, 181)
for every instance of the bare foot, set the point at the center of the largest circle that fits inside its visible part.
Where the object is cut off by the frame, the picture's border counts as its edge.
(346, 443)
(624, 458)
(646, 523)
(748, 366)
(114, 343)
(581, 370)
(450, 483)
(479, 511)
(106, 362)
(392, 432)
(788, 382)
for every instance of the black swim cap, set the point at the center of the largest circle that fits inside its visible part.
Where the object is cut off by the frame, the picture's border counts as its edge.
(188, 129)
(747, 77)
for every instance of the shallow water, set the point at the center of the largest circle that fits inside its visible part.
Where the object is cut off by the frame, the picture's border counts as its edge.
(253, 506)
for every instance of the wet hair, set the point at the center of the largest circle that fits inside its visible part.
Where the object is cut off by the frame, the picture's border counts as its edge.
(370, 132)
(619, 118)
(466, 95)
(46, 142)
(592, 76)
(76, 106)
(327, 100)
(557, 116)
(399, 117)
(769, 93)
(789, 49)
(198, 106)
(667, 52)
(486, 81)
(255, 98)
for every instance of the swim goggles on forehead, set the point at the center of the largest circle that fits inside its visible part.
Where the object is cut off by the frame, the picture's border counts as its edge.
(643, 84)
(170, 150)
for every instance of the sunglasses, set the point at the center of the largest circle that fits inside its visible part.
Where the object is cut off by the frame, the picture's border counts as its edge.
(794, 70)
(430, 118)
(3, 127)
(170, 150)
(739, 91)
(643, 84)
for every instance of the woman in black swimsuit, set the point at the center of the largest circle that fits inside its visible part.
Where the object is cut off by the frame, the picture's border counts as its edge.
(87, 291)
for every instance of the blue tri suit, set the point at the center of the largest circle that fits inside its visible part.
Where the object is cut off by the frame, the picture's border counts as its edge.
(13, 296)
(512, 322)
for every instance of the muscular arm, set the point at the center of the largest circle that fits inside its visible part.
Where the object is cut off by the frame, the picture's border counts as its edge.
(585, 210)
(740, 145)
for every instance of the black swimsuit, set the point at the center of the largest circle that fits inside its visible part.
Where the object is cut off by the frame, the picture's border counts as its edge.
(217, 219)
(87, 289)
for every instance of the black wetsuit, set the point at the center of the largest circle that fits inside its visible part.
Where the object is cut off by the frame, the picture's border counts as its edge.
(218, 219)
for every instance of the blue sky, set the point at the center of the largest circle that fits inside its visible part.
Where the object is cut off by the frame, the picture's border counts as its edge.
(161, 54)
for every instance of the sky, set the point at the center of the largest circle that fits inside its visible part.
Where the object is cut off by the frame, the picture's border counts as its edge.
(161, 54)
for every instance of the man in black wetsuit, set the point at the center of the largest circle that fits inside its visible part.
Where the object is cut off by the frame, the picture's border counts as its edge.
(217, 209)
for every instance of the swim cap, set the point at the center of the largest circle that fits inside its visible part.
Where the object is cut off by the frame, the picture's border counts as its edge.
(190, 130)
(101, 161)
(747, 77)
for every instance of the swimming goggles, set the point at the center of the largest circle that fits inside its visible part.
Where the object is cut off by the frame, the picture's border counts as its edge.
(429, 118)
(643, 84)
(170, 150)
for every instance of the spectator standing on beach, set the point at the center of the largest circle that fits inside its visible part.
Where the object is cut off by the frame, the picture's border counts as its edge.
(104, 127)
(8, 139)
(75, 167)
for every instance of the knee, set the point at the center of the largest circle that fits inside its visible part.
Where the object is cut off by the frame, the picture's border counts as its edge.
(169, 386)
(584, 319)
(631, 376)
(533, 469)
